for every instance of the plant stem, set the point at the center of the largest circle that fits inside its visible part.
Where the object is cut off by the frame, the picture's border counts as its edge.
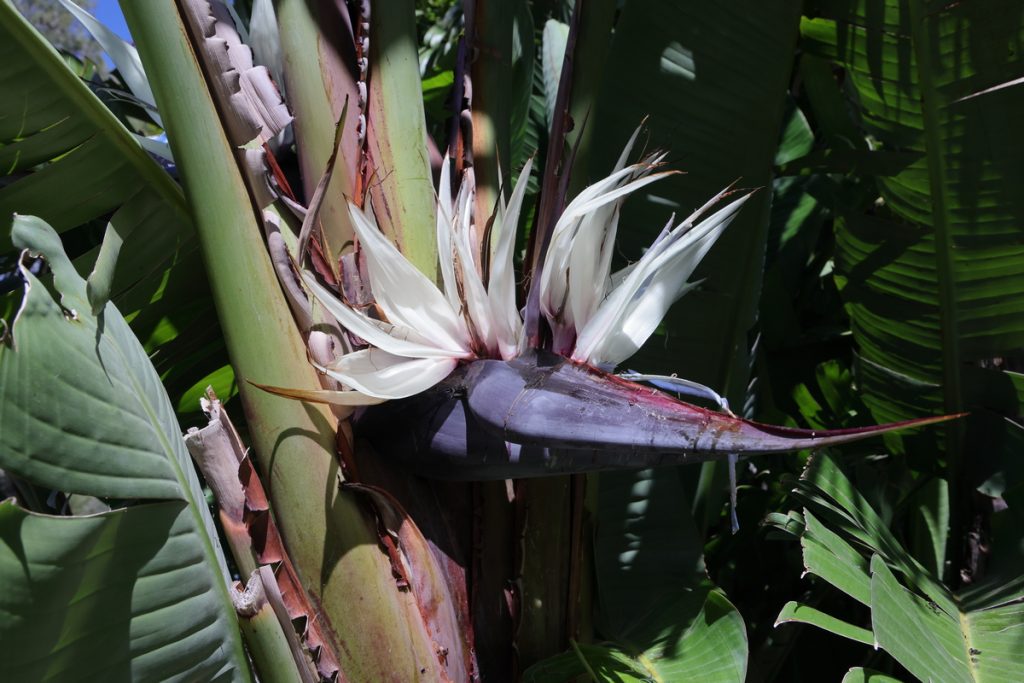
(328, 537)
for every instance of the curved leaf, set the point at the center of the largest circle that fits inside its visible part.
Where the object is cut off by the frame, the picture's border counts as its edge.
(706, 644)
(124, 595)
(82, 410)
(794, 612)
(66, 158)
(122, 53)
(101, 424)
(652, 595)
(860, 675)
(931, 277)
(91, 164)
(972, 637)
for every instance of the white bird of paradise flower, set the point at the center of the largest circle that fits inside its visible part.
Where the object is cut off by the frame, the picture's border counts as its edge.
(596, 316)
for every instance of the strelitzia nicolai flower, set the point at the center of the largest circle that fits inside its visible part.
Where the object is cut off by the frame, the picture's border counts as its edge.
(596, 317)
(476, 401)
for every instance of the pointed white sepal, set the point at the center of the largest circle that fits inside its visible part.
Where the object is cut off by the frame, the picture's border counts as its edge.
(407, 296)
(501, 285)
(382, 375)
(572, 284)
(395, 339)
(635, 308)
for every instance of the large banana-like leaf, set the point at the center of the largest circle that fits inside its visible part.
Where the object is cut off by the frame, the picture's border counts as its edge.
(82, 410)
(932, 273)
(66, 158)
(69, 160)
(971, 637)
(712, 78)
(718, 111)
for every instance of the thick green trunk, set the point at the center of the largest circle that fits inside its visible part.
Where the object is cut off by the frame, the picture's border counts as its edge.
(326, 533)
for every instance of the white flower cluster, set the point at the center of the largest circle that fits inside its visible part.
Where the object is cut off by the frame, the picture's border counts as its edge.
(429, 331)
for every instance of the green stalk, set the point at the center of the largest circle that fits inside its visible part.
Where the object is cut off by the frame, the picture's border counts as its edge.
(268, 646)
(267, 642)
(328, 538)
(400, 181)
(319, 80)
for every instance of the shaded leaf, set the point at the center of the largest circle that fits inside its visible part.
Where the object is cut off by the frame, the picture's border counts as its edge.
(82, 410)
(861, 675)
(936, 635)
(691, 636)
(66, 158)
(133, 584)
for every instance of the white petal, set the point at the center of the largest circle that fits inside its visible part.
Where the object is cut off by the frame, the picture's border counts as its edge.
(383, 375)
(501, 285)
(642, 320)
(633, 310)
(401, 341)
(589, 265)
(475, 296)
(578, 241)
(445, 251)
(407, 296)
(665, 240)
(584, 207)
(465, 211)
(621, 163)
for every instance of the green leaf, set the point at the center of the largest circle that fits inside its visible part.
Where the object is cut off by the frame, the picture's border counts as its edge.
(91, 164)
(102, 389)
(646, 545)
(101, 279)
(930, 516)
(860, 675)
(66, 158)
(122, 53)
(831, 496)
(794, 612)
(926, 640)
(791, 262)
(603, 663)
(829, 557)
(653, 599)
(523, 132)
(931, 280)
(83, 410)
(973, 637)
(712, 647)
(691, 636)
(124, 595)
